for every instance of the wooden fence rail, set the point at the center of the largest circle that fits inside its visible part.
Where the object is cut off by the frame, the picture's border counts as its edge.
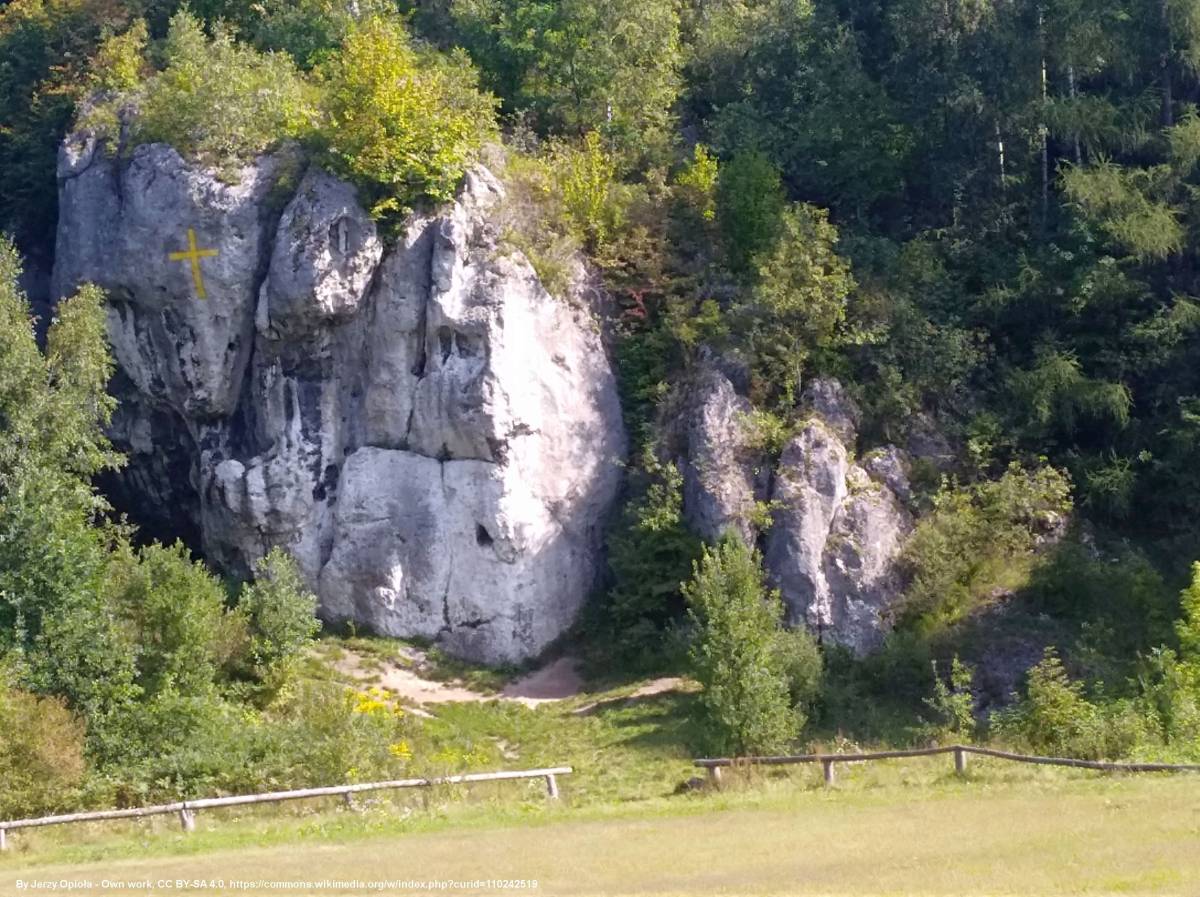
(187, 808)
(960, 751)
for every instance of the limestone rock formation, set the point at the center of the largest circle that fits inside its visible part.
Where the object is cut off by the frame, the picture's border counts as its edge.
(711, 445)
(434, 437)
(838, 527)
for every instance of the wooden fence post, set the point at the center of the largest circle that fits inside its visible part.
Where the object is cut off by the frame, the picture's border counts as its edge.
(348, 799)
(551, 787)
(3, 839)
(960, 761)
(714, 776)
(828, 764)
(187, 818)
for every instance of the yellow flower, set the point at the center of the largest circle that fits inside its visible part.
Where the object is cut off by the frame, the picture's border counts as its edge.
(400, 750)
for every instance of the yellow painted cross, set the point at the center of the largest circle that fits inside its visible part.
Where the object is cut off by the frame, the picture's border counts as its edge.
(194, 255)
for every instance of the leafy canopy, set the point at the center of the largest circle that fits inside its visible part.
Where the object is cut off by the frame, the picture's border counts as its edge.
(401, 122)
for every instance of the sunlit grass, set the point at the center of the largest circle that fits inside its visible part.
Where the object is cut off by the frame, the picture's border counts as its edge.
(628, 822)
(900, 827)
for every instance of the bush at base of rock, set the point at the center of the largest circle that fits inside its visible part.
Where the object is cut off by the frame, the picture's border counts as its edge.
(745, 704)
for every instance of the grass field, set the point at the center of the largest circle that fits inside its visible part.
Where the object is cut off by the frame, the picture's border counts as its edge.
(905, 827)
(623, 825)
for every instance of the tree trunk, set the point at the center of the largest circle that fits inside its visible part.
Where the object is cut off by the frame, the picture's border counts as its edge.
(1043, 130)
(1000, 153)
(1168, 112)
(1074, 136)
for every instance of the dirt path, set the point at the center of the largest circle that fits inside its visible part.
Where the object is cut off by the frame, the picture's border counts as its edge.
(556, 681)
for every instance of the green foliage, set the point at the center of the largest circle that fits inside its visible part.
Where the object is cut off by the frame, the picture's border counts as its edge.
(533, 221)
(580, 65)
(1056, 719)
(45, 46)
(1056, 395)
(1169, 694)
(698, 183)
(586, 179)
(979, 538)
(1114, 594)
(315, 733)
(400, 122)
(650, 554)
(307, 30)
(219, 101)
(53, 408)
(750, 205)
(1188, 627)
(174, 611)
(1121, 202)
(953, 702)
(799, 657)
(41, 753)
(120, 62)
(735, 656)
(798, 301)
(281, 612)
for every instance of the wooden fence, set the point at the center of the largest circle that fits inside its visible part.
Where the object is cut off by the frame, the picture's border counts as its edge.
(960, 751)
(187, 808)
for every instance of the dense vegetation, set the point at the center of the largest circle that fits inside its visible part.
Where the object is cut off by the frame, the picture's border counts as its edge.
(976, 214)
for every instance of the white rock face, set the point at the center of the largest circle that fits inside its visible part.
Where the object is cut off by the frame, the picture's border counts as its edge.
(837, 531)
(714, 456)
(436, 439)
(121, 223)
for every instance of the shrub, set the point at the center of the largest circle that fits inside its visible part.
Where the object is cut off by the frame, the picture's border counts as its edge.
(799, 657)
(401, 123)
(1188, 626)
(534, 222)
(120, 62)
(1169, 691)
(218, 101)
(1112, 590)
(586, 178)
(281, 613)
(650, 553)
(953, 702)
(697, 183)
(41, 753)
(175, 612)
(978, 538)
(1055, 718)
(745, 702)
(174, 745)
(327, 734)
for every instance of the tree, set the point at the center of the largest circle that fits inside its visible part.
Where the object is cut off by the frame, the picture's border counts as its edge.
(581, 65)
(745, 702)
(53, 408)
(219, 101)
(798, 300)
(400, 122)
(750, 204)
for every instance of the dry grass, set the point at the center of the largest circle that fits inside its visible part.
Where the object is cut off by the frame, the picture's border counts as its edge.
(887, 829)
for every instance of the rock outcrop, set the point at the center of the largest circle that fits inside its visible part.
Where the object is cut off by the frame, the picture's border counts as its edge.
(435, 438)
(709, 440)
(838, 527)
